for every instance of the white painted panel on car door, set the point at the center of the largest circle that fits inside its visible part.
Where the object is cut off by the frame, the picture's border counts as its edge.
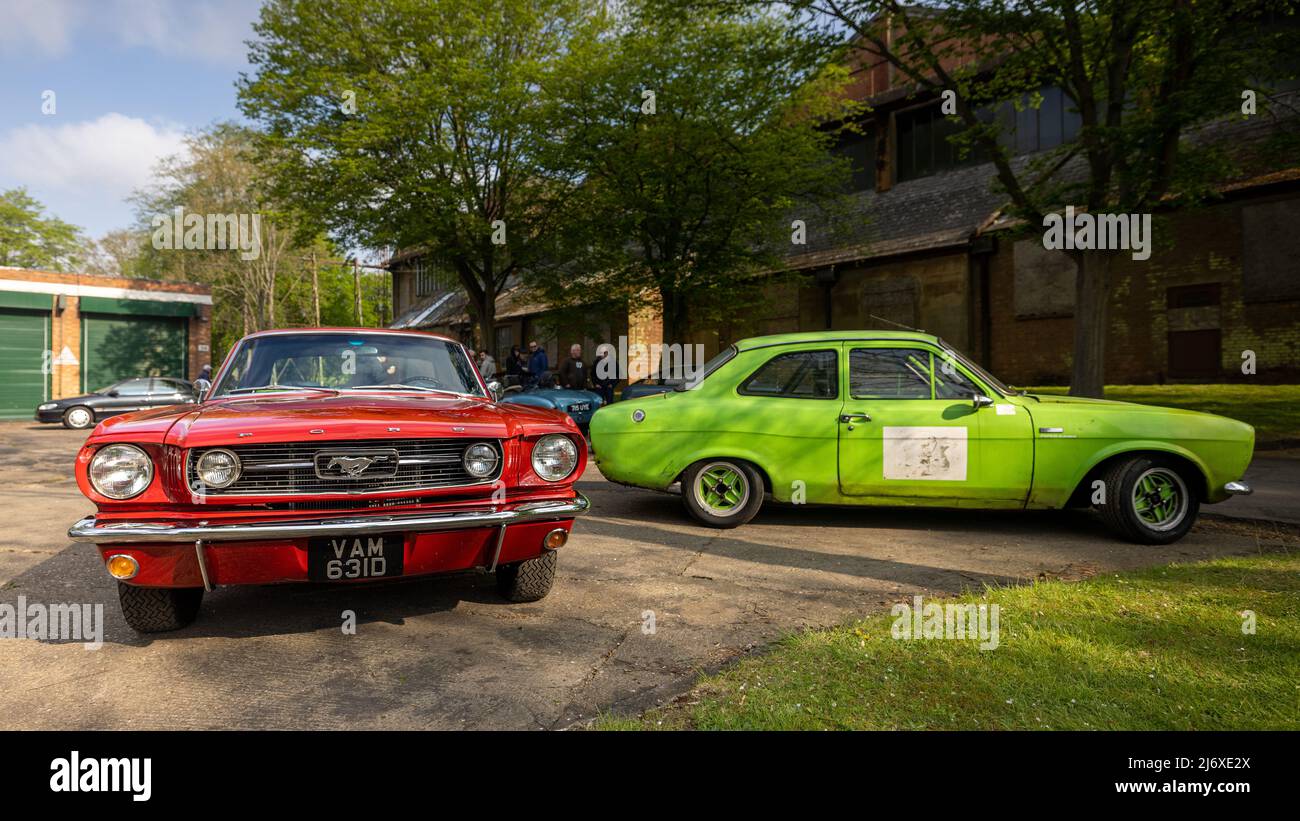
(925, 453)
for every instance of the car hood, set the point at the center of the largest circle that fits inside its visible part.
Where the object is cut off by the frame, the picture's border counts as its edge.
(285, 418)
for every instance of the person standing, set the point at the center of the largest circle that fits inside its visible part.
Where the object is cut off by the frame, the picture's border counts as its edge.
(487, 366)
(573, 373)
(537, 363)
(515, 367)
(602, 371)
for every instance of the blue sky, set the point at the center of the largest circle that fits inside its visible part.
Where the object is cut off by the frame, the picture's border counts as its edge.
(130, 78)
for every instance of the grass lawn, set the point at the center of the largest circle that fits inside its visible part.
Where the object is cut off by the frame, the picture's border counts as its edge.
(1274, 410)
(1160, 648)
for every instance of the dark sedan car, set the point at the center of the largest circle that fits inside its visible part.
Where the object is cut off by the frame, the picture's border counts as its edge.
(649, 387)
(80, 412)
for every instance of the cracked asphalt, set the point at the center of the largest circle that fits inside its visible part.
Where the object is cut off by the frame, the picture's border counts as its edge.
(645, 601)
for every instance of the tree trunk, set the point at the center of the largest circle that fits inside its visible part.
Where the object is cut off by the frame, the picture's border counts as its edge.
(673, 312)
(1092, 294)
(487, 320)
(356, 287)
(315, 291)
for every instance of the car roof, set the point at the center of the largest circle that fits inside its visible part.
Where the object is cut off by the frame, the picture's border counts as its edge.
(833, 336)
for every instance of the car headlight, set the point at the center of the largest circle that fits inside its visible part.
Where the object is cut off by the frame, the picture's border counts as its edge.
(480, 460)
(47, 406)
(121, 471)
(554, 457)
(218, 468)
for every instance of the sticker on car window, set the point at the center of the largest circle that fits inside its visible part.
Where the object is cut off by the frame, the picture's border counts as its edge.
(925, 453)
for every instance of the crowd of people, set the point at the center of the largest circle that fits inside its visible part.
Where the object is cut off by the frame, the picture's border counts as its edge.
(532, 368)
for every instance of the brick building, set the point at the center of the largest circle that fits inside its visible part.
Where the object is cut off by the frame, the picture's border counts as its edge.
(67, 334)
(925, 246)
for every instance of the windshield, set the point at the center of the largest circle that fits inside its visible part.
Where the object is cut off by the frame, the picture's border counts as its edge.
(349, 361)
(722, 358)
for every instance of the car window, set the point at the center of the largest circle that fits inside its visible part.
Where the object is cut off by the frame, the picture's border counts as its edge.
(133, 387)
(889, 373)
(799, 375)
(951, 383)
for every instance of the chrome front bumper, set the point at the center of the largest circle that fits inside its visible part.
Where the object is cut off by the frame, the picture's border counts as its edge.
(1238, 488)
(87, 530)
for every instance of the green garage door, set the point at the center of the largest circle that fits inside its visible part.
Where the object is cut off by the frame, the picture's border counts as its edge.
(116, 347)
(22, 352)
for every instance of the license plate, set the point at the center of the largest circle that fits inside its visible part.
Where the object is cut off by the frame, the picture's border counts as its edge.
(581, 406)
(343, 558)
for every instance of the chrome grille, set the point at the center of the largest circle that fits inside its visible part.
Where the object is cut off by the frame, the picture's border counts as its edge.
(290, 468)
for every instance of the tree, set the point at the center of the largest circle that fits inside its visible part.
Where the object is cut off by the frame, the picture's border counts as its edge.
(695, 137)
(1141, 74)
(409, 123)
(217, 177)
(29, 239)
(115, 254)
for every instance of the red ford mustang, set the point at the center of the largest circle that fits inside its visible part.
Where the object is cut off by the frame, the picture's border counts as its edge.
(334, 455)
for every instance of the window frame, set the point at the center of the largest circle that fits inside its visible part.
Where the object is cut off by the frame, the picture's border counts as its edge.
(740, 387)
(933, 354)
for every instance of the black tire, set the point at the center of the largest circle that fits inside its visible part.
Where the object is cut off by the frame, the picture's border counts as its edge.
(1161, 512)
(78, 417)
(527, 581)
(159, 609)
(728, 502)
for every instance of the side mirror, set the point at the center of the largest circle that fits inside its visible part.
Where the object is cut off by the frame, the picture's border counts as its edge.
(497, 390)
(979, 400)
(202, 387)
(114, 393)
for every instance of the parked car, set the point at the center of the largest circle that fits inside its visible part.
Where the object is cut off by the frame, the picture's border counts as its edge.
(80, 412)
(578, 404)
(649, 387)
(333, 456)
(896, 418)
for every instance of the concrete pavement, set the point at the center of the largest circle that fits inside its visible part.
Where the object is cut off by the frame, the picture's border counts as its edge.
(645, 600)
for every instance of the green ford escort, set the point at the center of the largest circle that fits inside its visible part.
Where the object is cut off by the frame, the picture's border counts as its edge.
(900, 418)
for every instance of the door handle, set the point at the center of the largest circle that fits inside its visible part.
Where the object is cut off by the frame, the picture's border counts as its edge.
(851, 417)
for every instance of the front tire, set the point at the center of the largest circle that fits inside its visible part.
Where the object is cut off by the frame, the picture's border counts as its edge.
(1148, 501)
(159, 609)
(722, 493)
(527, 581)
(78, 418)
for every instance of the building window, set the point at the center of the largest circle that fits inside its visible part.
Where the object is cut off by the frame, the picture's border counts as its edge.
(860, 151)
(922, 134)
(431, 277)
(1193, 296)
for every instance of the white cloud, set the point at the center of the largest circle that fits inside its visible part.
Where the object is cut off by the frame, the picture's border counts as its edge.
(207, 30)
(85, 170)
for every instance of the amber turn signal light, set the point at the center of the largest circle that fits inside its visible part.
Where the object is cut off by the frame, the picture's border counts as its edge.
(555, 539)
(122, 566)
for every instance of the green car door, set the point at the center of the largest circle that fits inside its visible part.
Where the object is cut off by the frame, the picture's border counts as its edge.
(910, 431)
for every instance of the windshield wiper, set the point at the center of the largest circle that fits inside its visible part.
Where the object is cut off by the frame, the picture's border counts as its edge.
(401, 387)
(280, 388)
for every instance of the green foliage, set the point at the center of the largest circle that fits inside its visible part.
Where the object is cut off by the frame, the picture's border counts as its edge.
(690, 192)
(221, 173)
(405, 123)
(30, 239)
